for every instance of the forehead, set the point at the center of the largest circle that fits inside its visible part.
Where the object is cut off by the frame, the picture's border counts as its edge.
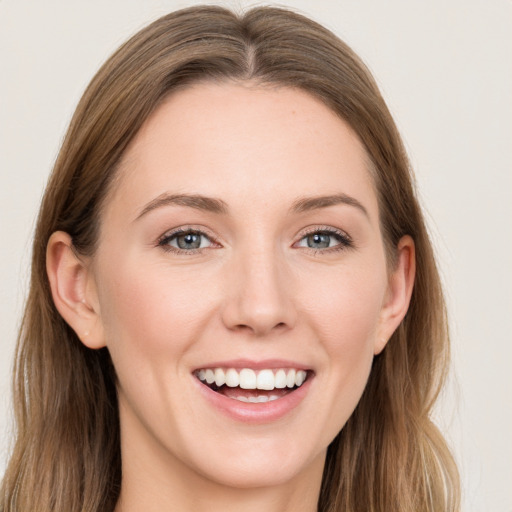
(244, 142)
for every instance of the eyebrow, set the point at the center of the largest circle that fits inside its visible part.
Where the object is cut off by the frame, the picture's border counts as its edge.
(198, 202)
(306, 204)
(214, 205)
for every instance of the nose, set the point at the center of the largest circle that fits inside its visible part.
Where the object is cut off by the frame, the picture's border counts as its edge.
(259, 294)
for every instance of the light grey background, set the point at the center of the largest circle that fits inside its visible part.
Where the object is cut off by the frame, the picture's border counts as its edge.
(445, 69)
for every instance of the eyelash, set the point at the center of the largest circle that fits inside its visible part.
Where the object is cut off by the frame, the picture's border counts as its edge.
(344, 240)
(164, 241)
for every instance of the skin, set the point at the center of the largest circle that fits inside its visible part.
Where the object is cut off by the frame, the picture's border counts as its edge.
(255, 290)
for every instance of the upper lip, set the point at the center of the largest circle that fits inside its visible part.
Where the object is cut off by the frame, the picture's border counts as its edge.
(255, 365)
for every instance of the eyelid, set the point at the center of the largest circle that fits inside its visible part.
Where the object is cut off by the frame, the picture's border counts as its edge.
(346, 241)
(200, 230)
(323, 228)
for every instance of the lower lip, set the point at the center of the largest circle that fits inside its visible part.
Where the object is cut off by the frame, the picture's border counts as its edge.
(263, 412)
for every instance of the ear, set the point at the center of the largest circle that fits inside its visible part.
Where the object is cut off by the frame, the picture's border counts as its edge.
(73, 290)
(398, 295)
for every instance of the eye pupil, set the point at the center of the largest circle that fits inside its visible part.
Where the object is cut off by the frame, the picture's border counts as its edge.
(189, 241)
(319, 240)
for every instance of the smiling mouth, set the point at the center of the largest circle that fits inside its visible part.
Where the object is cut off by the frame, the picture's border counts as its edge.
(253, 386)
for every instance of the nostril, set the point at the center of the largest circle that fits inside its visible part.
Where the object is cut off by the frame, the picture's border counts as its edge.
(243, 327)
(260, 329)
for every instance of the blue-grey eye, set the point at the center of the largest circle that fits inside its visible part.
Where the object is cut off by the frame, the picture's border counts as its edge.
(189, 240)
(321, 240)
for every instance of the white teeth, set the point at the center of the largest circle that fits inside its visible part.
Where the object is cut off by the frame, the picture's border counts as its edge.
(220, 377)
(251, 379)
(280, 379)
(300, 377)
(232, 378)
(265, 380)
(247, 379)
(256, 399)
(290, 379)
(209, 376)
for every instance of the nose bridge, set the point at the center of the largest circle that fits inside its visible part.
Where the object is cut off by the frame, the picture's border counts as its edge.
(259, 300)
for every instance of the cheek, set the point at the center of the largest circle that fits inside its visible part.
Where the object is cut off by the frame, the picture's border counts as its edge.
(345, 321)
(150, 314)
(347, 311)
(152, 319)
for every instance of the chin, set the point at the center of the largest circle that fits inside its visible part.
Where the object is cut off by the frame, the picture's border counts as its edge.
(267, 458)
(257, 472)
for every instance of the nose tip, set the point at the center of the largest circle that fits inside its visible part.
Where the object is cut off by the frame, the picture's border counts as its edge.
(259, 301)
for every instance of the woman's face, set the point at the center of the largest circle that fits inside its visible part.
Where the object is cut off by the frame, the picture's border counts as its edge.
(241, 242)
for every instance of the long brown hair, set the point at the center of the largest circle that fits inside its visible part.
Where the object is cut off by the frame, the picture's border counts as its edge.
(389, 456)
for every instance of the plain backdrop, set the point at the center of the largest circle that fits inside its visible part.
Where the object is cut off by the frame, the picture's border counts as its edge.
(445, 69)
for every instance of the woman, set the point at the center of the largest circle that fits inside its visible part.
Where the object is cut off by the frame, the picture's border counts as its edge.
(234, 301)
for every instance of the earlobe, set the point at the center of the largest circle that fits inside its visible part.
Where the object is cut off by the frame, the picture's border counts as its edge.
(399, 292)
(74, 297)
